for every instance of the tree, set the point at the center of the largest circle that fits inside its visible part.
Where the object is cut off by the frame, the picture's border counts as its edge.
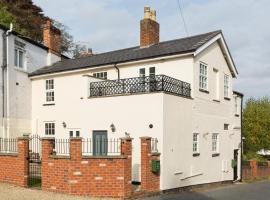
(28, 20)
(256, 125)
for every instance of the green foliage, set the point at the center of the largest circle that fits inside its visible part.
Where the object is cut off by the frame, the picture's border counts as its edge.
(28, 20)
(256, 126)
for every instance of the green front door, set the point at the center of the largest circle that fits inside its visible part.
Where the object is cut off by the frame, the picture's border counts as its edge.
(100, 143)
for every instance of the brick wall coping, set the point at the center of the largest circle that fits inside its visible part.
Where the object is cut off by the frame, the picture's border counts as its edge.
(75, 138)
(9, 154)
(105, 157)
(87, 157)
(155, 154)
(23, 138)
(126, 138)
(145, 138)
(48, 138)
(59, 157)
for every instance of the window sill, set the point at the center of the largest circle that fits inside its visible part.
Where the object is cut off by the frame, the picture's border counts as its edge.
(227, 98)
(236, 115)
(216, 100)
(48, 104)
(203, 90)
(196, 154)
(215, 154)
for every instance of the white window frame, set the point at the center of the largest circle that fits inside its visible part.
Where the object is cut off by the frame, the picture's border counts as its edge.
(74, 132)
(102, 75)
(226, 85)
(195, 143)
(50, 94)
(215, 142)
(236, 107)
(19, 61)
(49, 128)
(203, 77)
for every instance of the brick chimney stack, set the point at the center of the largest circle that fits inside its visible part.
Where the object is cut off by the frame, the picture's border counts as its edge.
(149, 28)
(52, 37)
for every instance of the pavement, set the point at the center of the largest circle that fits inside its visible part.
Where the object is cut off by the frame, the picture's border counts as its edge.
(252, 191)
(241, 191)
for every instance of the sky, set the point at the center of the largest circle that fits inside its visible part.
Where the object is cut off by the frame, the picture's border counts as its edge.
(106, 25)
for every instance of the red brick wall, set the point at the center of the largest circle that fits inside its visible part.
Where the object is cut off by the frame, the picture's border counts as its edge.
(52, 37)
(149, 32)
(95, 176)
(150, 182)
(14, 167)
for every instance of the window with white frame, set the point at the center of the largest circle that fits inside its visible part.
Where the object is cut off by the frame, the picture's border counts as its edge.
(226, 85)
(19, 57)
(236, 109)
(102, 75)
(195, 142)
(74, 133)
(50, 90)
(49, 128)
(215, 142)
(203, 76)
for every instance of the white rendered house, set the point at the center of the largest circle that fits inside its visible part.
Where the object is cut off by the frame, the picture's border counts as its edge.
(20, 56)
(178, 91)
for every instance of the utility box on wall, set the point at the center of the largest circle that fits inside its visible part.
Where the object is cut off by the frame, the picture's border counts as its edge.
(155, 164)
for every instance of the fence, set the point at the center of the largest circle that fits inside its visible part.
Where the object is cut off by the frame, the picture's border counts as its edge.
(62, 147)
(90, 147)
(102, 147)
(8, 145)
(254, 170)
(144, 84)
(154, 142)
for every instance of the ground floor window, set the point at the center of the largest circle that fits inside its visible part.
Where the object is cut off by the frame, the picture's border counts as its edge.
(74, 133)
(49, 128)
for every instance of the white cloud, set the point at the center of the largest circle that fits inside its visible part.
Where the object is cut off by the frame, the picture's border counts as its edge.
(114, 24)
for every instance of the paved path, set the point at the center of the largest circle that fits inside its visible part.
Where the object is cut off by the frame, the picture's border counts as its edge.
(252, 191)
(9, 192)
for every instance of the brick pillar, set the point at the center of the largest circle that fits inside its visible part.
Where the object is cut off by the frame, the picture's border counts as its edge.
(254, 167)
(126, 150)
(23, 148)
(47, 145)
(150, 181)
(268, 163)
(76, 149)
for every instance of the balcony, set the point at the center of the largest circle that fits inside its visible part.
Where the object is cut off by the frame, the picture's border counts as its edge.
(139, 85)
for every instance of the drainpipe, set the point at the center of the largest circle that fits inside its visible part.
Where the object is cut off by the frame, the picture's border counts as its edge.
(4, 65)
(118, 71)
(241, 157)
(7, 76)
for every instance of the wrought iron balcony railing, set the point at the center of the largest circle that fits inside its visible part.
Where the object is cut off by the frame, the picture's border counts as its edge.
(145, 84)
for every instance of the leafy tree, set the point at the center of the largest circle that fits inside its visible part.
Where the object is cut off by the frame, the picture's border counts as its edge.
(256, 125)
(28, 20)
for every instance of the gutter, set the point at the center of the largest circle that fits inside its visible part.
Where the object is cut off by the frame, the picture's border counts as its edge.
(241, 157)
(4, 65)
(118, 71)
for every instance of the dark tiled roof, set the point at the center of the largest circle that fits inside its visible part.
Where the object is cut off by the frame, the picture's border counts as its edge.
(178, 46)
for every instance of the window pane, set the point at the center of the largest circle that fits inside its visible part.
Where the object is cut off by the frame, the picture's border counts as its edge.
(70, 133)
(16, 57)
(21, 59)
(77, 133)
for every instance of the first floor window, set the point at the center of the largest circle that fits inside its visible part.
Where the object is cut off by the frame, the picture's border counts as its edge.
(215, 142)
(203, 76)
(50, 90)
(195, 143)
(19, 57)
(102, 75)
(226, 85)
(49, 128)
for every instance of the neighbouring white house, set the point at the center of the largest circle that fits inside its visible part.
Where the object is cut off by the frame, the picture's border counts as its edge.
(178, 91)
(20, 56)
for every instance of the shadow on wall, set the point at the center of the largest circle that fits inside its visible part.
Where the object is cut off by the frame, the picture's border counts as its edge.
(181, 196)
